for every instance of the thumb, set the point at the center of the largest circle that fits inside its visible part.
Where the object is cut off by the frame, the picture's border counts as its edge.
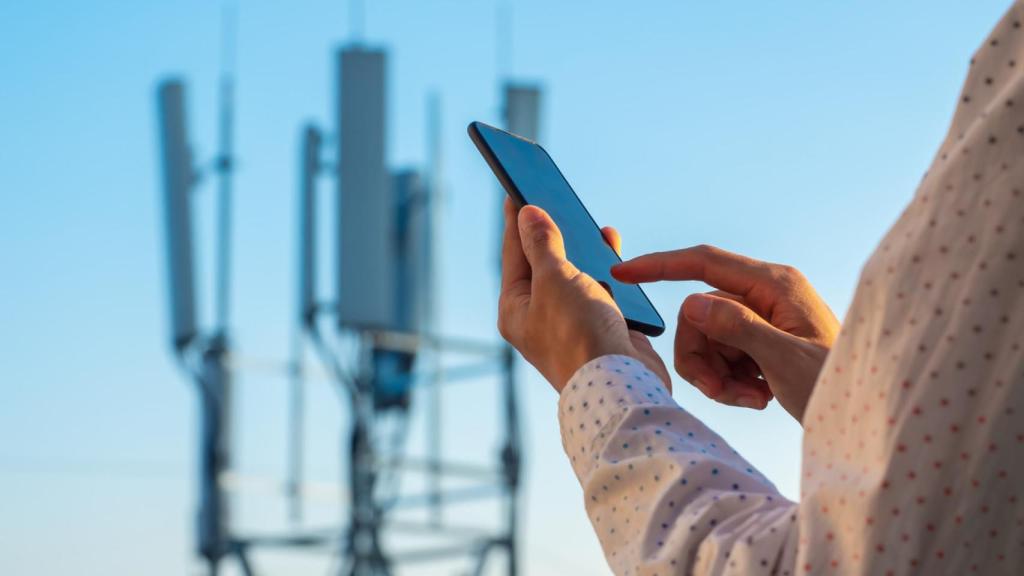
(732, 323)
(542, 241)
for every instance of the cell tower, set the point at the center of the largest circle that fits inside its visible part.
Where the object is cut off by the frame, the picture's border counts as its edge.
(377, 336)
(386, 268)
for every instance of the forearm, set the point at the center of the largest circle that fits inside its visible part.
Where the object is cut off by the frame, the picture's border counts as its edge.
(665, 494)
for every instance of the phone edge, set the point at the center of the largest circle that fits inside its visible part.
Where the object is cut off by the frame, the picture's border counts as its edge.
(510, 188)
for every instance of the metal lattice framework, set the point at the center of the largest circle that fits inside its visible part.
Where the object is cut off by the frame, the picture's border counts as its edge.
(376, 340)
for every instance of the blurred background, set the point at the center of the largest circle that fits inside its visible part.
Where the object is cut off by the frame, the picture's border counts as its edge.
(134, 442)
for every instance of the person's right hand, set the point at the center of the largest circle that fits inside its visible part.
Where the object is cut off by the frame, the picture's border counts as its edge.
(764, 333)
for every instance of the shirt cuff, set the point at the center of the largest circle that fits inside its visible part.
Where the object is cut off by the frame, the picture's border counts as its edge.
(596, 399)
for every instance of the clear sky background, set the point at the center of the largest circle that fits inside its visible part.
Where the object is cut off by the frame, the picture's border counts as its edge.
(789, 131)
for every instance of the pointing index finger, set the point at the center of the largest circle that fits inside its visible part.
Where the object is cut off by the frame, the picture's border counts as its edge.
(719, 268)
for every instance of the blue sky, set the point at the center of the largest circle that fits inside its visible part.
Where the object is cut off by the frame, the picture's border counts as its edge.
(791, 132)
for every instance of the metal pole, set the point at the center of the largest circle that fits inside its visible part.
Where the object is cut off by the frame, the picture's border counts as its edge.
(224, 166)
(357, 15)
(432, 323)
(214, 454)
(367, 557)
(504, 38)
(295, 433)
(309, 168)
(511, 459)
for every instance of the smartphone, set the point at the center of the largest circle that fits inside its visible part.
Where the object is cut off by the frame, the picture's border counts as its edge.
(530, 176)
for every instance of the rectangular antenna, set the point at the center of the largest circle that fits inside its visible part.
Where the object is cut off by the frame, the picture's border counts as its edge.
(178, 178)
(366, 230)
(392, 369)
(522, 110)
(412, 298)
(310, 167)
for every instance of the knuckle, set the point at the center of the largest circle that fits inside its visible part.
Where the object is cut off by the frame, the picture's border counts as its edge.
(503, 326)
(504, 323)
(567, 270)
(787, 275)
(705, 249)
(787, 270)
(680, 366)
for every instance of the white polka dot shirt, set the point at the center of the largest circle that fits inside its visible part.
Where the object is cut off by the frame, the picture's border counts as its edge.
(913, 458)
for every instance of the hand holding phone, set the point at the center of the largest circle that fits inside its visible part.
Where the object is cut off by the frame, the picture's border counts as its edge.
(557, 313)
(556, 316)
(530, 177)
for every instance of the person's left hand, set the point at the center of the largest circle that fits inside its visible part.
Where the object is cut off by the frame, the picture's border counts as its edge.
(558, 317)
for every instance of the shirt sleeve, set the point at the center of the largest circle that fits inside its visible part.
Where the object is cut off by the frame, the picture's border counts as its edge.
(665, 494)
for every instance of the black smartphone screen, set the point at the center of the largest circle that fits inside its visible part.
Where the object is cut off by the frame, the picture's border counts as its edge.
(530, 176)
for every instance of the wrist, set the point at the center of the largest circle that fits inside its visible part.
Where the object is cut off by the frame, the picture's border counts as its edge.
(573, 360)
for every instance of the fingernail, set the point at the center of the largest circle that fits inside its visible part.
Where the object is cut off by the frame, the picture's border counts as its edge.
(696, 308)
(749, 402)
